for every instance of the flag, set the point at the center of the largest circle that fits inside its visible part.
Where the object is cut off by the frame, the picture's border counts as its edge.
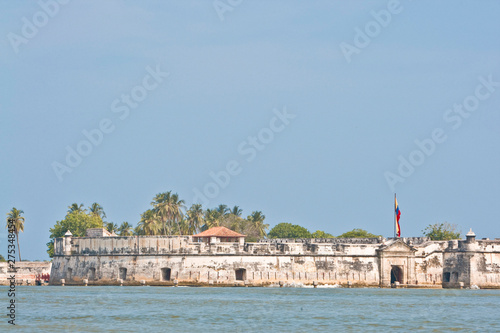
(398, 215)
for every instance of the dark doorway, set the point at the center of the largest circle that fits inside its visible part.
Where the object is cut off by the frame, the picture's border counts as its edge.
(396, 274)
(165, 274)
(91, 273)
(69, 274)
(241, 274)
(123, 273)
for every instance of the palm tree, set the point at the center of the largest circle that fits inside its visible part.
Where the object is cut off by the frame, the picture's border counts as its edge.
(223, 210)
(195, 218)
(183, 226)
(125, 229)
(110, 226)
(213, 218)
(96, 209)
(168, 208)
(234, 223)
(178, 207)
(236, 211)
(15, 214)
(257, 221)
(148, 225)
(76, 208)
(161, 209)
(138, 231)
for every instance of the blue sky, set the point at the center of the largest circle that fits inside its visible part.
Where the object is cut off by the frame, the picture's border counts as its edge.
(353, 118)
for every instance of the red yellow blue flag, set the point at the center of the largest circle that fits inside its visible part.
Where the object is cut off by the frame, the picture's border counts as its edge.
(398, 215)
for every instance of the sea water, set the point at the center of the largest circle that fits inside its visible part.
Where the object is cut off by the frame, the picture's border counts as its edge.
(196, 309)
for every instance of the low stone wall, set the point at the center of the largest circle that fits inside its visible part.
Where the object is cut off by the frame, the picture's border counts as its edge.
(227, 270)
(26, 272)
(323, 240)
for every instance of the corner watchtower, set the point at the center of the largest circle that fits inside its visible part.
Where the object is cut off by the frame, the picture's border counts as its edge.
(471, 236)
(67, 243)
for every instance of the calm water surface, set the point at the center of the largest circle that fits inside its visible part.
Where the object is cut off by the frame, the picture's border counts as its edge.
(169, 309)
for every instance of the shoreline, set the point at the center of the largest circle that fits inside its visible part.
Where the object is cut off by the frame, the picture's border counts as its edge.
(247, 285)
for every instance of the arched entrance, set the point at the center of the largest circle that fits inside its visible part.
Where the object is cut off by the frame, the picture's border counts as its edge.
(396, 274)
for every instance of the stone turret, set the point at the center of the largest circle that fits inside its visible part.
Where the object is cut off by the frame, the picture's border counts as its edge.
(471, 236)
(67, 243)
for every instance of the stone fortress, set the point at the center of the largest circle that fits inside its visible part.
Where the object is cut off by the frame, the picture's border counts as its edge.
(221, 257)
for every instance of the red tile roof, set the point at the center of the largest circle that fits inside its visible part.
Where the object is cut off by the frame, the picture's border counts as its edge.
(219, 232)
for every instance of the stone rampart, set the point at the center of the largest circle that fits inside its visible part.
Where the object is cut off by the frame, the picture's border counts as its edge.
(167, 260)
(322, 240)
(26, 272)
(472, 262)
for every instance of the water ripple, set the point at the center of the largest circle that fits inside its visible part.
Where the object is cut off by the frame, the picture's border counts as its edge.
(132, 309)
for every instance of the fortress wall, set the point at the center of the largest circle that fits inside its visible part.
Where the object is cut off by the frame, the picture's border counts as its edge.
(472, 263)
(126, 245)
(58, 246)
(433, 246)
(323, 240)
(219, 269)
(164, 245)
(429, 260)
(365, 262)
(362, 249)
(457, 269)
(25, 270)
(486, 267)
(429, 269)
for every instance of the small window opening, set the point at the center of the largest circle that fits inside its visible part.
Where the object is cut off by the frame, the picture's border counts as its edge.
(123, 273)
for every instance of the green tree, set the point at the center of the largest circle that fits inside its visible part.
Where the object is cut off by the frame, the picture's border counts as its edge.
(236, 211)
(183, 226)
(125, 229)
(257, 220)
(288, 230)
(358, 233)
(50, 248)
(178, 208)
(163, 211)
(2, 259)
(110, 226)
(169, 208)
(223, 210)
(321, 234)
(15, 214)
(138, 231)
(442, 231)
(149, 224)
(96, 209)
(213, 218)
(195, 218)
(77, 222)
(242, 226)
(219, 216)
(253, 227)
(235, 223)
(76, 208)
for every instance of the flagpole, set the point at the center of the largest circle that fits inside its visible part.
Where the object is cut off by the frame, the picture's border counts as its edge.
(394, 213)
